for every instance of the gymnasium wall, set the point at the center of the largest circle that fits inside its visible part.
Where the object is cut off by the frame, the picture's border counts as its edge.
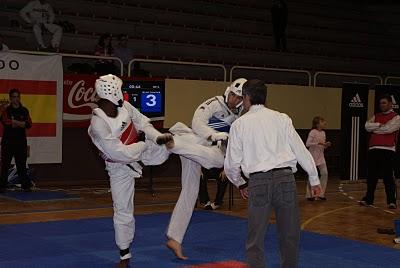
(299, 102)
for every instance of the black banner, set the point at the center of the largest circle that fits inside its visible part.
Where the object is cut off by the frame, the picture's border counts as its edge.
(394, 92)
(354, 137)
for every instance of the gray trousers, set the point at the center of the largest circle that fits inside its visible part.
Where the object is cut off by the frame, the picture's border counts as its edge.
(276, 190)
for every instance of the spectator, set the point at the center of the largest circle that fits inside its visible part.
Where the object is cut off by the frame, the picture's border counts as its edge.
(265, 146)
(3, 47)
(138, 71)
(40, 14)
(279, 14)
(384, 129)
(222, 183)
(122, 51)
(104, 48)
(15, 119)
(316, 143)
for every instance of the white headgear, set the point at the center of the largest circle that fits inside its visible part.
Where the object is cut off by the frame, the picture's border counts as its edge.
(109, 87)
(236, 88)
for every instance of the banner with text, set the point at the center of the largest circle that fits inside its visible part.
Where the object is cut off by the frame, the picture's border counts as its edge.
(39, 79)
(353, 135)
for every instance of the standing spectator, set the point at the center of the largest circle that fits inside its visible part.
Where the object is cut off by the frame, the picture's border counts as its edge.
(265, 146)
(222, 183)
(3, 47)
(104, 48)
(15, 119)
(279, 14)
(384, 128)
(122, 51)
(40, 14)
(316, 143)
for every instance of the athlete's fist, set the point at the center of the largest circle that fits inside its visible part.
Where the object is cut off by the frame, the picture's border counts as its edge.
(219, 136)
(166, 139)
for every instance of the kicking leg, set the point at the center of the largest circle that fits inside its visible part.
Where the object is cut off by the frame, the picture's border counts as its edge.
(184, 207)
(206, 156)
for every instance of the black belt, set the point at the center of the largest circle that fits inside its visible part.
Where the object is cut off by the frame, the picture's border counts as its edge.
(273, 170)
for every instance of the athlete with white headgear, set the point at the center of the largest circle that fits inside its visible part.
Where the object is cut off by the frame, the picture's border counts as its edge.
(114, 130)
(211, 123)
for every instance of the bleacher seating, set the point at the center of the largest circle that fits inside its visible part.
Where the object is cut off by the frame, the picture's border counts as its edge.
(322, 35)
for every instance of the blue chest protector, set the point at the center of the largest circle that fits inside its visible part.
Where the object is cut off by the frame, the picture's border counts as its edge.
(219, 125)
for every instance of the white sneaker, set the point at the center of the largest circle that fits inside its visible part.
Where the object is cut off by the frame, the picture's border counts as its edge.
(214, 206)
(208, 206)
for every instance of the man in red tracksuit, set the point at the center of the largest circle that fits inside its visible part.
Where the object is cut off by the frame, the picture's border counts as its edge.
(384, 128)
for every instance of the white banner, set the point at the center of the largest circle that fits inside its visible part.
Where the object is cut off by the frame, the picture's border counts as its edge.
(40, 81)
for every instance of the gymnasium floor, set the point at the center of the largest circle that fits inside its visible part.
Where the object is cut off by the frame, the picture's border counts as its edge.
(338, 230)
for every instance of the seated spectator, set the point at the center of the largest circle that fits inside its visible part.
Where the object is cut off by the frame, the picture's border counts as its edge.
(104, 48)
(3, 47)
(40, 15)
(122, 51)
(138, 71)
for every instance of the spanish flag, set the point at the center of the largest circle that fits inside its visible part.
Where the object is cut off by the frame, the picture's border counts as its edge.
(39, 97)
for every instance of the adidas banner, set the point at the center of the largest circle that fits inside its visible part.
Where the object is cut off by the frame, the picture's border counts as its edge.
(353, 134)
(394, 92)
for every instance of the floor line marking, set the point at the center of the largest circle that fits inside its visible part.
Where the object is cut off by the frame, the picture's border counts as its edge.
(324, 214)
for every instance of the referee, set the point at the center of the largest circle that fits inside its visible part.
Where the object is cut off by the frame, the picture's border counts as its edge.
(265, 146)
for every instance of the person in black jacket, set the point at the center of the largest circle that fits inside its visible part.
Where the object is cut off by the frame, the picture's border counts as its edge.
(15, 119)
(279, 14)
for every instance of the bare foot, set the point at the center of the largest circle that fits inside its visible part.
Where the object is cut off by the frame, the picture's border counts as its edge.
(123, 264)
(176, 248)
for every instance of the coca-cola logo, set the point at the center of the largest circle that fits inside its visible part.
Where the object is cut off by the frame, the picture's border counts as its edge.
(81, 96)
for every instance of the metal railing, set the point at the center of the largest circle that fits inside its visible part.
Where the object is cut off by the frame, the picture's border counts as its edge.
(308, 73)
(178, 63)
(391, 77)
(346, 74)
(67, 55)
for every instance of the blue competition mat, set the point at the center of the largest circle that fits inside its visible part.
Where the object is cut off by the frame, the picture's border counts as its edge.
(211, 238)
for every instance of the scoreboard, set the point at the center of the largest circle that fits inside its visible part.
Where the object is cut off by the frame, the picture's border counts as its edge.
(146, 96)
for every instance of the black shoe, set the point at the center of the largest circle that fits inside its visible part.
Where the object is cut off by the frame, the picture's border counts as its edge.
(311, 199)
(322, 198)
(392, 206)
(388, 231)
(365, 203)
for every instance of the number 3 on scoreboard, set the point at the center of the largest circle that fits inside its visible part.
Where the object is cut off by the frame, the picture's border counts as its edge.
(151, 100)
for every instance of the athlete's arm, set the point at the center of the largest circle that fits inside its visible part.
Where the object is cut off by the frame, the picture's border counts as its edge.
(142, 123)
(201, 117)
(112, 147)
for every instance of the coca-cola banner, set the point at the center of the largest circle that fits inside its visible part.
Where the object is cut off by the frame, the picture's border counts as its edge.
(79, 99)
